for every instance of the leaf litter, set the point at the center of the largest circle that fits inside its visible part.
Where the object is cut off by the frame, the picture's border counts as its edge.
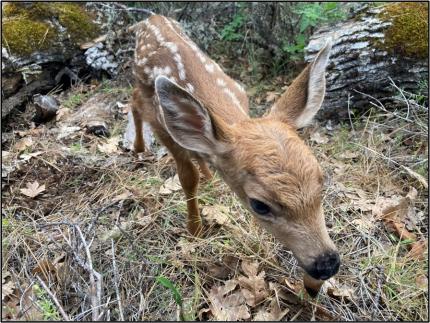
(33, 189)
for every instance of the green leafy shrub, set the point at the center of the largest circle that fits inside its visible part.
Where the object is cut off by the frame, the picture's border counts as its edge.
(310, 16)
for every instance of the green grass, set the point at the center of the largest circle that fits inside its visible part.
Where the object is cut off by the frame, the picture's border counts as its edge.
(75, 99)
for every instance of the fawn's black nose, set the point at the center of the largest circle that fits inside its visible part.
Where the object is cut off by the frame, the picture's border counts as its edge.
(325, 266)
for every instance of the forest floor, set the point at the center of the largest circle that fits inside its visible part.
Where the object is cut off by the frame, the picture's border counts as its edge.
(90, 230)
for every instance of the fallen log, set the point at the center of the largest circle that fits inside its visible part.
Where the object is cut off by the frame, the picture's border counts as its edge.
(379, 47)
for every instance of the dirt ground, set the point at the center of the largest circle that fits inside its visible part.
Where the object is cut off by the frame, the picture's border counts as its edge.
(92, 231)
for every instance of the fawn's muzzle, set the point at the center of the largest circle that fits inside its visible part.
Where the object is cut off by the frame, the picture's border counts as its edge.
(324, 266)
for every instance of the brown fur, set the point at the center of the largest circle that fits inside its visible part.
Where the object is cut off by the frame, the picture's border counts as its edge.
(261, 158)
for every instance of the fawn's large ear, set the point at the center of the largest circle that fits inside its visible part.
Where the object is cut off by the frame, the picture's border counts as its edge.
(185, 119)
(304, 97)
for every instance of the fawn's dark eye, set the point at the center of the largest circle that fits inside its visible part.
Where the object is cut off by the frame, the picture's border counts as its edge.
(259, 207)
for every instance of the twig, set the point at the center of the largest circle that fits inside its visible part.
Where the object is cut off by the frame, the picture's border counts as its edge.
(54, 298)
(419, 177)
(115, 275)
(401, 92)
(381, 106)
(297, 314)
(95, 291)
(380, 280)
(349, 112)
(414, 174)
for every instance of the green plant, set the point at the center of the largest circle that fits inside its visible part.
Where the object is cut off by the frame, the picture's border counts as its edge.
(75, 100)
(310, 15)
(175, 293)
(48, 309)
(230, 32)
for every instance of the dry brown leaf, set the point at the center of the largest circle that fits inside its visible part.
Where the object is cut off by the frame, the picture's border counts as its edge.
(422, 282)
(400, 230)
(364, 224)
(62, 113)
(334, 289)
(273, 313)
(319, 138)
(398, 213)
(187, 247)
(33, 189)
(45, 269)
(171, 185)
(32, 312)
(22, 144)
(295, 286)
(349, 155)
(226, 307)
(216, 214)
(110, 146)
(271, 96)
(254, 288)
(281, 292)
(223, 270)
(123, 196)
(417, 250)
(7, 289)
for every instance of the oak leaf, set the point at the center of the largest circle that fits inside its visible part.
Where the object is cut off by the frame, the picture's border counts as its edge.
(33, 189)
(225, 306)
(254, 288)
(110, 146)
(417, 250)
(171, 185)
(319, 138)
(273, 313)
(216, 214)
(23, 143)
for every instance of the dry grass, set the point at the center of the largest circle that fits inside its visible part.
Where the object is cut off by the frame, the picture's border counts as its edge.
(42, 236)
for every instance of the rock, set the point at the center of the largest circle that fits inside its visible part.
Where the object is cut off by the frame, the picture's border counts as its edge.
(95, 115)
(100, 59)
(364, 56)
(46, 107)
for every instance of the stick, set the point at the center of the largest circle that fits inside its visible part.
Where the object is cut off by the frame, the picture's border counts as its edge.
(95, 291)
(349, 112)
(115, 275)
(51, 294)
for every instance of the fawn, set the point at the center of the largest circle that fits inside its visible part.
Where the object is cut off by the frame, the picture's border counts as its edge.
(199, 113)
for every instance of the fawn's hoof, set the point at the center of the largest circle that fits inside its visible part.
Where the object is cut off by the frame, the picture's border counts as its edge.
(195, 229)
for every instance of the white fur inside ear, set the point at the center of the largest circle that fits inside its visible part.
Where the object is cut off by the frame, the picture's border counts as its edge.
(184, 117)
(316, 86)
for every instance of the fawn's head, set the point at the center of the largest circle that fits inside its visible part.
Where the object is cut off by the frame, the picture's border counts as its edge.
(265, 163)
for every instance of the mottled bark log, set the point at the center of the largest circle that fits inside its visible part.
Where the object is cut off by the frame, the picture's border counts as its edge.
(358, 63)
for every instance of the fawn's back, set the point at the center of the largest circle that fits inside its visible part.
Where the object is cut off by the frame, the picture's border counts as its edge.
(162, 48)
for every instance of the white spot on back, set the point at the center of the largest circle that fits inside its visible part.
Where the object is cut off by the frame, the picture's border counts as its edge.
(233, 98)
(239, 87)
(221, 82)
(210, 68)
(189, 87)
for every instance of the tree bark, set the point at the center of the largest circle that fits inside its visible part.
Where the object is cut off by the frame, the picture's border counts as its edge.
(360, 64)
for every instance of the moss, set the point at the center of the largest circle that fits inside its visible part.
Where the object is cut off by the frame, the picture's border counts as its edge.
(23, 36)
(77, 21)
(408, 34)
(25, 27)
